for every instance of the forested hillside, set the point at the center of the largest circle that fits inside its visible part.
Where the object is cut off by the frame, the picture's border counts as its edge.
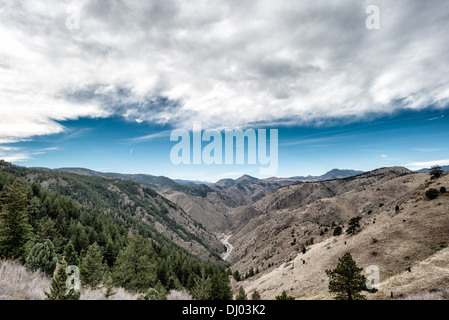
(116, 194)
(114, 230)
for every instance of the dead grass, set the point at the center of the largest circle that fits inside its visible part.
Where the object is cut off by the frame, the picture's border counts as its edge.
(432, 294)
(18, 283)
(179, 295)
(99, 294)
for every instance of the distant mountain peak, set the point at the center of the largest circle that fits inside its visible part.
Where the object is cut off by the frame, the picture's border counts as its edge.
(246, 178)
(332, 174)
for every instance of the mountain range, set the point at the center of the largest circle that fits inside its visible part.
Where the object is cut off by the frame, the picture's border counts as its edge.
(427, 170)
(285, 227)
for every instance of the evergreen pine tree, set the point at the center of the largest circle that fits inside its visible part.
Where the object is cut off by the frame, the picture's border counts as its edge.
(203, 287)
(237, 276)
(15, 231)
(43, 258)
(46, 230)
(250, 273)
(173, 283)
(241, 295)
(58, 289)
(346, 281)
(191, 282)
(220, 287)
(70, 254)
(109, 284)
(156, 293)
(92, 269)
(135, 268)
(162, 292)
(110, 252)
(436, 172)
(255, 295)
(78, 236)
(34, 209)
(353, 225)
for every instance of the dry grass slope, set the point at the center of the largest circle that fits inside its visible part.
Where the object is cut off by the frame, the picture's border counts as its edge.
(16, 283)
(415, 237)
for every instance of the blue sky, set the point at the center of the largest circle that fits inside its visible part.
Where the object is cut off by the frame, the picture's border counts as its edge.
(116, 145)
(101, 84)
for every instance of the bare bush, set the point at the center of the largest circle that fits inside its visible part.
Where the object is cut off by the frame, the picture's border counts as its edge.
(17, 283)
(433, 294)
(100, 294)
(179, 295)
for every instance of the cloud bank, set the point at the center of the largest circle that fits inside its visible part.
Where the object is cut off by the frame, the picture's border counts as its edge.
(227, 63)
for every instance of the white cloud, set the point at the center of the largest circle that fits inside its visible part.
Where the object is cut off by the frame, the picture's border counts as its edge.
(16, 154)
(436, 118)
(383, 156)
(427, 164)
(162, 134)
(15, 157)
(8, 148)
(428, 149)
(225, 63)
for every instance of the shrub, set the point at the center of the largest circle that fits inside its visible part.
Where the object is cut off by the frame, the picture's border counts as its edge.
(431, 193)
(443, 189)
(337, 231)
(179, 295)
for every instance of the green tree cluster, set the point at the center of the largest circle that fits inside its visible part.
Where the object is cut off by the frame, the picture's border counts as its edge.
(284, 296)
(111, 246)
(15, 231)
(42, 257)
